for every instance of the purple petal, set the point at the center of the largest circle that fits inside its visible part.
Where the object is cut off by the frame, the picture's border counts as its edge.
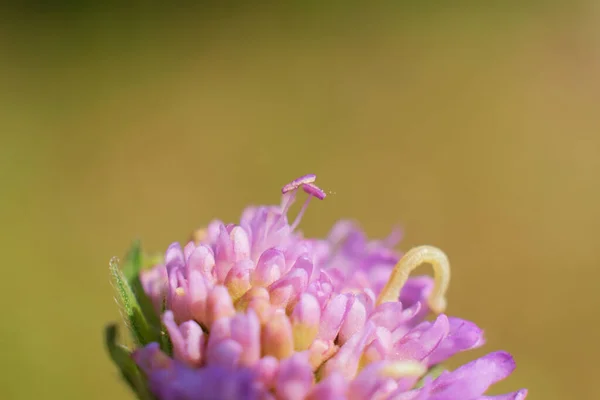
(154, 282)
(355, 318)
(245, 329)
(217, 383)
(174, 256)
(294, 252)
(269, 267)
(187, 339)
(307, 265)
(307, 311)
(473, 379)
(266, 371)
(380, 347)
(202, 259)
(198, 293)
(333, 316)
(386, 314)
(518, 395)
(220, 330)
(218, 305)
(422, 340)
(277, 338)
(463, 335)
(370, 384)
(295, 378)
(332, 387)
(226, 353)
(223, 254)
(151, 357)
(321, 289)
(287, 289)
(305, 320)
(240, 244)
(415, 290)
(238, 279)
(348, 356)
(188, 249)
(340, 231)
(177, 298)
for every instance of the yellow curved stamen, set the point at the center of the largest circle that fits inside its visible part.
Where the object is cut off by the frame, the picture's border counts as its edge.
(411, 260)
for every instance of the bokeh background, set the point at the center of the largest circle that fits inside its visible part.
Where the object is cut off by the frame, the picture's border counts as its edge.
(474, 125)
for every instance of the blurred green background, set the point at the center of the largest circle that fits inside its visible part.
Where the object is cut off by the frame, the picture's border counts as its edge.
(474, 125)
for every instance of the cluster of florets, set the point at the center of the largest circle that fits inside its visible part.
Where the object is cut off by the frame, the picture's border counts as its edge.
(257, 311)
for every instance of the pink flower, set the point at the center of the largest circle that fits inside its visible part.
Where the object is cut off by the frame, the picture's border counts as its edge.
(257, 311)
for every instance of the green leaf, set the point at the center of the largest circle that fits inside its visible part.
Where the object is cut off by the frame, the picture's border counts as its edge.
(433, 373)
(129, 370)
(142, 332)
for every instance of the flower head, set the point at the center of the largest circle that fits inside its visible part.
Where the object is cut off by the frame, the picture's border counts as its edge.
(256, 310)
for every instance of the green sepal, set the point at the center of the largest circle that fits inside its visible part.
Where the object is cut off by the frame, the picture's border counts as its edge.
(142, 332)
(133, 261)
(145, 303)
(152, 260)
(130, 372)
(136, 260)
(165, 341)
(132, 266)
(432, 373)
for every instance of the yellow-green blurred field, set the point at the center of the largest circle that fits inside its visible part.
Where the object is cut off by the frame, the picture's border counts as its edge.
(476, 127)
